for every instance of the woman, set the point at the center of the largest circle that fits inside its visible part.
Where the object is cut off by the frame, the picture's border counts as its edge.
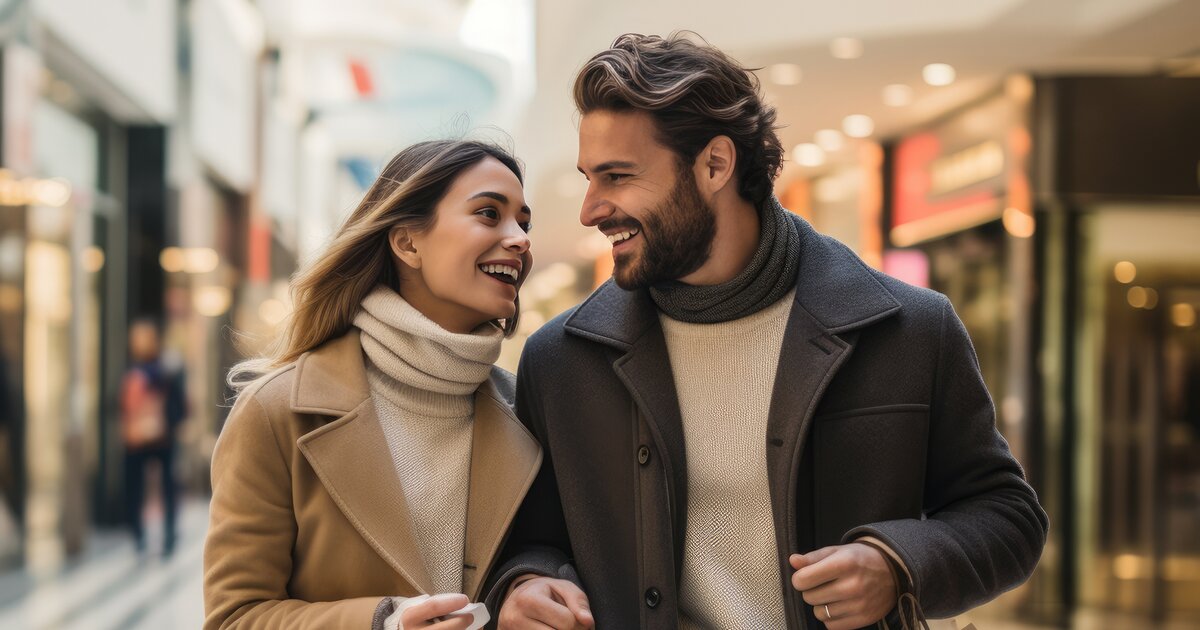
(374, 457)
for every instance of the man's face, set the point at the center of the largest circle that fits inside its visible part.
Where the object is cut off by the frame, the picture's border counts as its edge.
(642, 200)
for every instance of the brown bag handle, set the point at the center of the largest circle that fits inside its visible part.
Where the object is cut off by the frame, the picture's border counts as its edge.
(911, 615)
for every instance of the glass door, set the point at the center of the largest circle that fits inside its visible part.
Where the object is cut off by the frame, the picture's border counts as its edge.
(1139, 413)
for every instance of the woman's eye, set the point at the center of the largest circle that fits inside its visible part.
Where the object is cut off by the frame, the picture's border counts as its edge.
(490, 213)
(527, 226)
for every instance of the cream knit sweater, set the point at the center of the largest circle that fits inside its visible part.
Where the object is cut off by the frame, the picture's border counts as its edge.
(724, 375)
(423, 380)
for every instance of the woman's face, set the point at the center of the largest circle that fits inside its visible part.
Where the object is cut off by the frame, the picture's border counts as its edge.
(466, 269)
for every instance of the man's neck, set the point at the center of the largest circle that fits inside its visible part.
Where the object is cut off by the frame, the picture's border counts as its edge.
(733, 245)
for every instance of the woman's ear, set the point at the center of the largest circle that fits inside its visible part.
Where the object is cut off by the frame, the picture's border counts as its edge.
(401, 242)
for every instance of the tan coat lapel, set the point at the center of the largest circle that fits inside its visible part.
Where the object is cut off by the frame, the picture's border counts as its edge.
(504, 461)
(351, 457)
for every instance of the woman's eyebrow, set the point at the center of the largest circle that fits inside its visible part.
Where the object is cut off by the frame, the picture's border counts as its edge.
(501, 197)
(490, 195)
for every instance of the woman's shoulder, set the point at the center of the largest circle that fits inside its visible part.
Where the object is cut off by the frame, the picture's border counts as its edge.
(270, 389)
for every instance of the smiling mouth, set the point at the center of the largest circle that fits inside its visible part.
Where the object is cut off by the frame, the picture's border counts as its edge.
(502, 273)
(620, 237)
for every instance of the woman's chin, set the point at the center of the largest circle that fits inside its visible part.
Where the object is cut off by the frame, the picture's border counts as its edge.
(502, 311)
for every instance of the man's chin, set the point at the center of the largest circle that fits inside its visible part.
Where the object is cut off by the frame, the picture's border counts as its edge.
(627, 279)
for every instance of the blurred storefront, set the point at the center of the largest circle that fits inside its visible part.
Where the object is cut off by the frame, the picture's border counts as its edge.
(1119, 189)
(82, 189)
(1068, 238)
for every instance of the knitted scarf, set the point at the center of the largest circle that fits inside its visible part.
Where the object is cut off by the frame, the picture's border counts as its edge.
(415, 351)
(769, 276)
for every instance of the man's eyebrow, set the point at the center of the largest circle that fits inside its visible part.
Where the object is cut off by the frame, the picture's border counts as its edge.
(608, 166)
(501, 197)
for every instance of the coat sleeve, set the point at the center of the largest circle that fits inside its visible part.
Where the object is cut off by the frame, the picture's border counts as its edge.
(248, 552)
(538, 542)
(983, 530)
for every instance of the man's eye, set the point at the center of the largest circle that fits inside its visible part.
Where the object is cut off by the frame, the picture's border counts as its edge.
(616, 177)
(490, 213)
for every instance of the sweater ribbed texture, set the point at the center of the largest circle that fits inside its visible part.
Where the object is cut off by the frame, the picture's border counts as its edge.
(423, 380)
(724, 376)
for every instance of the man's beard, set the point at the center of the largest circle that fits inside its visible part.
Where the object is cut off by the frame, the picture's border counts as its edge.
(678, 237)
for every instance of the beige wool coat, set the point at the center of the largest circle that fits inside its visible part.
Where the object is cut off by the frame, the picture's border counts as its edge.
(308, 520)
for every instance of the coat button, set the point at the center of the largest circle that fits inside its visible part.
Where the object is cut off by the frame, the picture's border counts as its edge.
(653, 597)
(643, 455)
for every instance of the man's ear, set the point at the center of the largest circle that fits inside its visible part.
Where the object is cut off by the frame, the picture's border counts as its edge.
(715, 165)
(401, 242)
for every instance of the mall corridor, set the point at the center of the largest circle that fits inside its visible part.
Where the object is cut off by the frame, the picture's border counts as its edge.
(111, 587)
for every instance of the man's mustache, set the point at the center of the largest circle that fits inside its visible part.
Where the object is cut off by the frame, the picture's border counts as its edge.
(623, 225)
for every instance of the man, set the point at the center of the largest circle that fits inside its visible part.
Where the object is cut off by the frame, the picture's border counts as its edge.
(746, 427)
(153, 405)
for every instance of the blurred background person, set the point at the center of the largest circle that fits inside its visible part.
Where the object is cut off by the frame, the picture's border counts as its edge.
(153, 406)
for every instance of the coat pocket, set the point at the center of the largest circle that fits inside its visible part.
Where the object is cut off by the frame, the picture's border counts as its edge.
(869, 466)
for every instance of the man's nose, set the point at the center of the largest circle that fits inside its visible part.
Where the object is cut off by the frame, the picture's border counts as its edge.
(595, 209)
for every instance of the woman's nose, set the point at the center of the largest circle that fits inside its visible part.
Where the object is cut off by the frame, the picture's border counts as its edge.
(517, 240)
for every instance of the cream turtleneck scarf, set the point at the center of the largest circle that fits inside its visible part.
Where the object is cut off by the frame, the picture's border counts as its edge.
(423, 380)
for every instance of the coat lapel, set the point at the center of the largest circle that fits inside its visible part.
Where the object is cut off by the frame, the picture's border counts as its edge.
(350, 455)
(504, 461)
(646, 372)
(628, 321)
(836, 295)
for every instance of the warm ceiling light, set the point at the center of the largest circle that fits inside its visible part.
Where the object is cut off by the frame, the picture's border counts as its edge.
(858, 126)
(1124, 272)
(785, 74)
(1183, 315)
(93, 259)
(846, 48)
(897, 95)
(200, 259)
(212, 301)
(938, 74)
(830, 140)
(808, 154)
(171, 259)
(1136, 297)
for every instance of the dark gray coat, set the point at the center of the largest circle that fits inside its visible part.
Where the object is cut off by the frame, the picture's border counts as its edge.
(879, 424)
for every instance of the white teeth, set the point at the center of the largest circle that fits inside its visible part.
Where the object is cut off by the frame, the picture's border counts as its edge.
(621, 236)
(511, 272)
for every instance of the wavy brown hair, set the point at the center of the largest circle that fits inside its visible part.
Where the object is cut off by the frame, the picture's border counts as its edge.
(326, 294)
(694, 93)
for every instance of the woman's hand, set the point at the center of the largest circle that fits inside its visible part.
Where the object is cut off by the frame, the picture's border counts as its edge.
(430, 613)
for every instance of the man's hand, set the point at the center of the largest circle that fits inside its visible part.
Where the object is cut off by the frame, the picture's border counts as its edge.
(543, 602)
(848, 586)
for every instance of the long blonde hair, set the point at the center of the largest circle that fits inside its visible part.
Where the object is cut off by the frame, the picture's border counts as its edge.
(327, 293)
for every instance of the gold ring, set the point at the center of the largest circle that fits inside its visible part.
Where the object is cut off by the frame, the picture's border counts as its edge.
(828, 615)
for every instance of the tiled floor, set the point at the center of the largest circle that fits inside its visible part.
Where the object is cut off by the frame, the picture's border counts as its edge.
(111, 587)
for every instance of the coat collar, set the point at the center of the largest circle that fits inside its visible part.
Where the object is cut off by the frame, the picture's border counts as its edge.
(351, 458)
(834, 286)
